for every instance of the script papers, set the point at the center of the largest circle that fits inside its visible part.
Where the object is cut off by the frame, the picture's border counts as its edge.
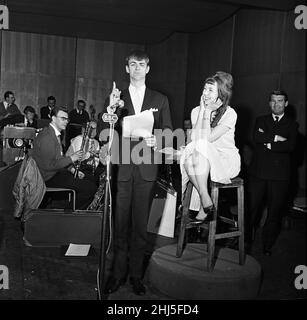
(139, 125)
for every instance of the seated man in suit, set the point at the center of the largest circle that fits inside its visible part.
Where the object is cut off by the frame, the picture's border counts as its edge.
(46, 110)
(8, 106)
(77, 118)
(53, 164)
(275, 138)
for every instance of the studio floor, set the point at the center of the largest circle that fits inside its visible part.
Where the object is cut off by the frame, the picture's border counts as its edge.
(47, 274)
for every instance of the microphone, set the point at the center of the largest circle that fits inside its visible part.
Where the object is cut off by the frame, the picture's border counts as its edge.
(111, 117)
(118, 104)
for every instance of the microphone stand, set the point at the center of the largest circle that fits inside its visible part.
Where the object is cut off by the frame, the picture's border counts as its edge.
(111, 118)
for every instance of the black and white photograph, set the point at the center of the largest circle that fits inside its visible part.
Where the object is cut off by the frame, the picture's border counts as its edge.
(153, 152)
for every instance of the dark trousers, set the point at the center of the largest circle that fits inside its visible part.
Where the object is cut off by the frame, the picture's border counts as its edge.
(276, 192)
(133, 202)
(85, 188)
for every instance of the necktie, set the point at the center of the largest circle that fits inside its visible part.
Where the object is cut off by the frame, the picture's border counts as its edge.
(276, 118)
(60, 143)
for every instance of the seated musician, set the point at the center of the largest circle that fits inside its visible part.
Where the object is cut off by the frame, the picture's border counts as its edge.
(90, 165)
(9, 112)
(48, 154)
(30, 117)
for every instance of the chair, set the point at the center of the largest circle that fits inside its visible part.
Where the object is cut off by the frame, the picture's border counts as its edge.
(71, 194)
(238, 226)
(29, 189)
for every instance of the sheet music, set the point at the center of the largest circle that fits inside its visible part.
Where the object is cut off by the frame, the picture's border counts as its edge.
(139, 125)
(78, 250)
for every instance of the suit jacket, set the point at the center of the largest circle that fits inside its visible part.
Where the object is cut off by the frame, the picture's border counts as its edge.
(47, 153)
(29, 188)
(162, 120)
(11, 110)
(273, 164)
(45, 112)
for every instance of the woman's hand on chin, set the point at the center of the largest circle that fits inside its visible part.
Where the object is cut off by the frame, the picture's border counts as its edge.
(214, 105)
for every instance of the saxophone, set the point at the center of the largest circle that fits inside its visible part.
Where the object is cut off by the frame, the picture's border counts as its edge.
(84, 139)
(97, 203)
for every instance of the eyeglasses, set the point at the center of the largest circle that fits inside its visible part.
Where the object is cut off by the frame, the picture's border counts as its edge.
(63, 119)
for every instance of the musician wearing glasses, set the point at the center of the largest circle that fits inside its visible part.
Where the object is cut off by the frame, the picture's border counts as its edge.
(53, 164)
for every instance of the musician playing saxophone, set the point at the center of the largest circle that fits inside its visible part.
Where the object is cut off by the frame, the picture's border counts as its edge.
(89, 165)
(48, 154)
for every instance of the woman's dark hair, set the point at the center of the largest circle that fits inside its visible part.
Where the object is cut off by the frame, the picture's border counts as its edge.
(28, 109)
(224, 83)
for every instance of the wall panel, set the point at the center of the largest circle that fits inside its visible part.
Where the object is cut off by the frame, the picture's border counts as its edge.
(168, 73)
(98, 64)
(209, 52)
(19, 67)
(57, 69)
(257, 42)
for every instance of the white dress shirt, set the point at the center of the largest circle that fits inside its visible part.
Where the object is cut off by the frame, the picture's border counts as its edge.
(137, 97)
(279, 116)
(58, 135)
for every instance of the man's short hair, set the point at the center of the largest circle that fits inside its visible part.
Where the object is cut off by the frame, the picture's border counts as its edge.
(81, 101)
(138, 55)
(51, 98)
(57, 109)
(28, 109)
(279, 93)
(7, 94)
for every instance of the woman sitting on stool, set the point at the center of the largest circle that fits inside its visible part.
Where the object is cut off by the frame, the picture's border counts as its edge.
(212, 149)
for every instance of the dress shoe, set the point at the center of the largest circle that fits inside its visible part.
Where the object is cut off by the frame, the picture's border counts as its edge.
(267, 252)
(137, 286)
(113, 284)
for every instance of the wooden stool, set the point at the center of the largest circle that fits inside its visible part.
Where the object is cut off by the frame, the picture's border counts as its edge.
(187, 224)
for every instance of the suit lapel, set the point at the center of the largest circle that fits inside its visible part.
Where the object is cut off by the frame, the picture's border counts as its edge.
(128, 102)
(147, 100)
(55, 139)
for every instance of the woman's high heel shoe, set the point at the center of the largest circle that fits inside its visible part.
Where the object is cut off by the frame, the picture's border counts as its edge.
(209, 217)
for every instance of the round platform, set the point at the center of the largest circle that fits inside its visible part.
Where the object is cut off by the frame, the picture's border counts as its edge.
(187, 278)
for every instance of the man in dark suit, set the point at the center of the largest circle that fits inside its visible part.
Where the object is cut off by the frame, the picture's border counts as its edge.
(135, 182)
(78, 118)
(8, 108)
(275, 139)
(46, 110)
(53, 164)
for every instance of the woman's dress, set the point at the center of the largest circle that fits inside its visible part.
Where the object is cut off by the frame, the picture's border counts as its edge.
(222, 154)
